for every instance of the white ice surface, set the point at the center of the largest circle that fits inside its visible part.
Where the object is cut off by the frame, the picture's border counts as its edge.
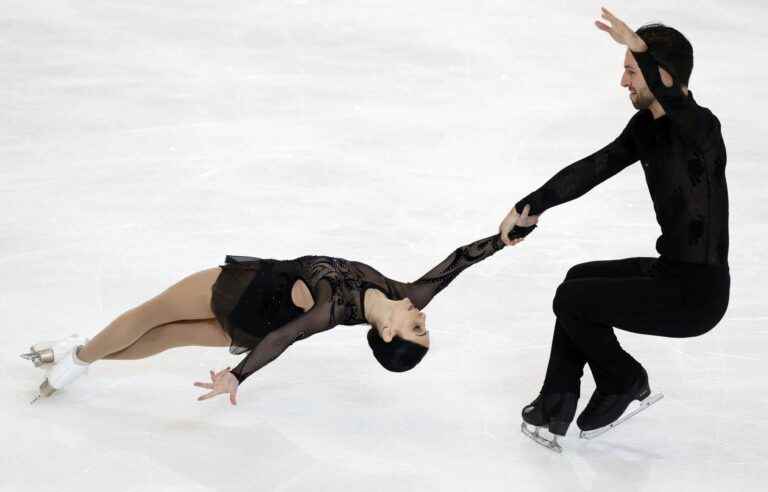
(142, 141)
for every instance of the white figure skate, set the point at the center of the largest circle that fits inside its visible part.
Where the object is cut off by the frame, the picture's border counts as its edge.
(62, 372)
(44, 354)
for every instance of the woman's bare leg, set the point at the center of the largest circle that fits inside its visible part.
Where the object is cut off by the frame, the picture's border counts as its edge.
(202, 333)
(188, 299)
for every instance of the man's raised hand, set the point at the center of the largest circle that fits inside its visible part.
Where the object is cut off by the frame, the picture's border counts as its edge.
(620, 31)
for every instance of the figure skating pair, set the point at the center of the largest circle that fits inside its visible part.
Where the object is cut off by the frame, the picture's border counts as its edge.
(262, 306)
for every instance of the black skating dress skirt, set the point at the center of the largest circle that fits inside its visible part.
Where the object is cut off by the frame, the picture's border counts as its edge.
(252, 297)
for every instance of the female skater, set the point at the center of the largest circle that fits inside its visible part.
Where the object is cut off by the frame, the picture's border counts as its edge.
(262, 306)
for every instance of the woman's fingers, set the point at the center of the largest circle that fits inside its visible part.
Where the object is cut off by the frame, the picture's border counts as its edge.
(602, 27)
(233, 397)
(208, 395)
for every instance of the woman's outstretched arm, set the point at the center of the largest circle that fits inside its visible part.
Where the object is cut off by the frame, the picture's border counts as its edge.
(313, 321)
(317, 319)
(428, 285)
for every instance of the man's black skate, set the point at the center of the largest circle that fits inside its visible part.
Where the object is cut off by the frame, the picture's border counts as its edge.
(603, 409)
(553, 412)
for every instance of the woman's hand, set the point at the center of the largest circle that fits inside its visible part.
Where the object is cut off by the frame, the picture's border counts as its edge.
(514, 219)
(221, 382)
(620, 32)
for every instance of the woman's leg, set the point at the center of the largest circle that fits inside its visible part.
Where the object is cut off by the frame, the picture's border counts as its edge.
(188, 299)
(201, 333)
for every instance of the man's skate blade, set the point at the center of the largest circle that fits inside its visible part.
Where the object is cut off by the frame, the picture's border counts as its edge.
(591, 434)
(552, 445)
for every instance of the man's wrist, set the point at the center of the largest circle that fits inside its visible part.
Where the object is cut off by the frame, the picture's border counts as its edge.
(636, 44)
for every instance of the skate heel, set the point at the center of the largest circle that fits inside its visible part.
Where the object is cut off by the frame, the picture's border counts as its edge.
(65, 371)
(558, 427)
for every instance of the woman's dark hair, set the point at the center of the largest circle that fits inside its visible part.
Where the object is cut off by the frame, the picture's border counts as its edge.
(670, 48)
(398, 355)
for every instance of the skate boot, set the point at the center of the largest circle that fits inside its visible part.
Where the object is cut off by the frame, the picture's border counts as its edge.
(551, 412)
(62, 373)
(43, 354)
(603, 410)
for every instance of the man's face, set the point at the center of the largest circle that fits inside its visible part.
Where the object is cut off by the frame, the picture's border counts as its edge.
(633, 80)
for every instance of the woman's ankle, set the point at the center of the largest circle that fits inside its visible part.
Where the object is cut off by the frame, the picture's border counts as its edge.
(81, 357)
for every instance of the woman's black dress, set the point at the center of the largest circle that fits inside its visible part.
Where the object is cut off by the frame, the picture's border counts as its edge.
(251, 298)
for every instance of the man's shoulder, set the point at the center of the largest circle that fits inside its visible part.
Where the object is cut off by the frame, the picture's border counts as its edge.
(697, 123)
(639, 124)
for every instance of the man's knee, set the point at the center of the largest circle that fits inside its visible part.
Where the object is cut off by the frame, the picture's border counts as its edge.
(579, 271)
(560, 304)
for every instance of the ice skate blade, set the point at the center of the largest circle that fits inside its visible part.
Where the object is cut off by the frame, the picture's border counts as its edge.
(45, 391)
(552, 445)
(591, 434)
(30, 356)
(39, 359)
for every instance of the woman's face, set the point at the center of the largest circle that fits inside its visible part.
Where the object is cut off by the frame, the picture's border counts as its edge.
(407, 322)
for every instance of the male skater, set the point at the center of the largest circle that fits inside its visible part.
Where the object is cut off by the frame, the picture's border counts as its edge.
(682, 293)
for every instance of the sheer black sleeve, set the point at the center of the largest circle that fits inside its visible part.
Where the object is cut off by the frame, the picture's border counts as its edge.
(317, 319)
(581, 176)
(425, 288)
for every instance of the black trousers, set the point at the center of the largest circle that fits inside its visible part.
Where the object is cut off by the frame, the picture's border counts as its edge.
(652, 296)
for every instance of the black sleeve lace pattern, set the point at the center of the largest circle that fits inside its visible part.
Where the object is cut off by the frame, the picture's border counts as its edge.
(431, 283)
(275, 343)
(575, 180)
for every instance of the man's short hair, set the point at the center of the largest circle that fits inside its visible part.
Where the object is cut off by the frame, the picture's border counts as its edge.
(670, 48)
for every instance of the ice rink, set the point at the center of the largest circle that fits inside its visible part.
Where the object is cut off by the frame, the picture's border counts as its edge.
(143, 141)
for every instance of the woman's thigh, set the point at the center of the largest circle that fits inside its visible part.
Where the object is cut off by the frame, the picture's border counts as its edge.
(202, 333)
(187, 299)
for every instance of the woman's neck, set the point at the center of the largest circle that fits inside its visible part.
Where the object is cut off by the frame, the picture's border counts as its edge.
(377, 306)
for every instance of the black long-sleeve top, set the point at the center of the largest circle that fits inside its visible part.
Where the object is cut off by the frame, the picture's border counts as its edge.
(338, 289)
(683, 157)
